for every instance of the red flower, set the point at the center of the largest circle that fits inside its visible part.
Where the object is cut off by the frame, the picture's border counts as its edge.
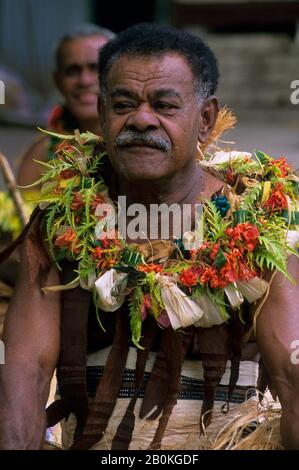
(146, 306)
(228, 272)
(245, 233)
(69, 173)
(77, 202)
(214, 251)
(231, 178)
(205, 245)
(245, 272)
(250, 235)
(98, 200)
(98, 252)
(189, 277)
(211, 276)
(277, 200)
(282, 165)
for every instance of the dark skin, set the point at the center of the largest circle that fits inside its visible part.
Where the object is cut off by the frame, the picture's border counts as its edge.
(32, 326)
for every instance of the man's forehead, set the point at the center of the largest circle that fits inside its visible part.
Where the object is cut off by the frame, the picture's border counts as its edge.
(82, 49)
(150, 70)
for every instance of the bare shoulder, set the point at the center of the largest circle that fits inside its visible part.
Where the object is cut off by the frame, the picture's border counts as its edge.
(29, 170)
(210, 185)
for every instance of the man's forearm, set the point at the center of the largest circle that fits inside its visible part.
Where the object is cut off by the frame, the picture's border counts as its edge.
(22, 414)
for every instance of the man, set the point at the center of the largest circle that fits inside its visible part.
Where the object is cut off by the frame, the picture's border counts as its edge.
(76, 78)
(157, 103)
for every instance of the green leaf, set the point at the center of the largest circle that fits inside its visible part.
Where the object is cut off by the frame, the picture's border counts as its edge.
(135, 304)
(250, 197)
(214, 221)
(220, 259)
(262, 157)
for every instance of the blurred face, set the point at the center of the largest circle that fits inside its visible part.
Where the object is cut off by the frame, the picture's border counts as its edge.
(151, 118)
(77, 78)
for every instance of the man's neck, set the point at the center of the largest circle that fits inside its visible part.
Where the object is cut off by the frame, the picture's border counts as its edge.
(182, 188)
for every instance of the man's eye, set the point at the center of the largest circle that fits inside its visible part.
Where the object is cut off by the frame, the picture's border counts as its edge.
(72, 71)
(123, 106)
(166, 107)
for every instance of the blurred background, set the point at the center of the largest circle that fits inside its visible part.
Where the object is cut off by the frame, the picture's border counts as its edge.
(256, 42)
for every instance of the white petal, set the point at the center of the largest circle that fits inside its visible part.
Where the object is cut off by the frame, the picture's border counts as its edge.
(181, 309)
(253, 289)
(89, 282)
(111, 288)
(234, 296)
(293, 238)
(222, 157)
(211, 312)
(192, 240)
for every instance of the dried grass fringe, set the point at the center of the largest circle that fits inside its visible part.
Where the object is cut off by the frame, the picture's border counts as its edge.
(225, 121)
(235, 433)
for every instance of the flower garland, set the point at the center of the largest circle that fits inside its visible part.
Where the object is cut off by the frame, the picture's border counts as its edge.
(246, 228)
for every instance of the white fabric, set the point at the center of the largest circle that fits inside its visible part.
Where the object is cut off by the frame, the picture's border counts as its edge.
(191, 368)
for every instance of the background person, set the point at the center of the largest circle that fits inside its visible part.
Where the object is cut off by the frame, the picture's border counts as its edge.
(76, 78)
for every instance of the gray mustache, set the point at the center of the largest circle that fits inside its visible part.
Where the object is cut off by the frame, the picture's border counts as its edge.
(128, 138)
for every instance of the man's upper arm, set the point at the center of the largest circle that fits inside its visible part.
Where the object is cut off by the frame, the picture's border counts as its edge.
(278, 321)
(31, 330)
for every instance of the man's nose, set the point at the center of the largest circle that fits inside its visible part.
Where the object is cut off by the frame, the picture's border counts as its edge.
(88, 77)
(143, 118)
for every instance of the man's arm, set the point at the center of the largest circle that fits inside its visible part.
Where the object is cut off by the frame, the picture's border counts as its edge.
(30, 171)
(31, 338)
(277, 336)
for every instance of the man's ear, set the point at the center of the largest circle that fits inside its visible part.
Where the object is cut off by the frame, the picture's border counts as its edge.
(101, 113)
(208, 115)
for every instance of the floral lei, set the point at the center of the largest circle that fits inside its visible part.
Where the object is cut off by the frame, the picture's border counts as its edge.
(250, 226)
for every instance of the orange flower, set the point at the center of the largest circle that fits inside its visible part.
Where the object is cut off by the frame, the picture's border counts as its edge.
(245, 232)
(67, 240)
(214, 251)
(151, 267)
(277, 200)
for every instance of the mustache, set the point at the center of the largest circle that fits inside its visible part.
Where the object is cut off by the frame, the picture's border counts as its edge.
(128, 138)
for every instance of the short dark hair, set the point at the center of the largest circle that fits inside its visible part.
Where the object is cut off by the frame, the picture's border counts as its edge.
(153, 39)
(80, 31)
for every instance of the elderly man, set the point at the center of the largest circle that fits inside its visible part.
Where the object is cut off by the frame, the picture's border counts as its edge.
(76, 78)
(157, 104)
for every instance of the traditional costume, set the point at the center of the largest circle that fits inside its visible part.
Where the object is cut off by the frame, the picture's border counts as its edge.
(177, 302)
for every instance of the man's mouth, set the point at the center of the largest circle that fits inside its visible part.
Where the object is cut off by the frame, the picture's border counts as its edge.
(87, 98)
(135, 139)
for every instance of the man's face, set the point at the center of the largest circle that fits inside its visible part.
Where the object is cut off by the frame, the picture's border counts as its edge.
(77, 78)
(151, 116)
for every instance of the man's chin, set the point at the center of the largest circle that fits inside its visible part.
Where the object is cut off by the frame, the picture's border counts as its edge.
(141, 174)
(86, 112)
